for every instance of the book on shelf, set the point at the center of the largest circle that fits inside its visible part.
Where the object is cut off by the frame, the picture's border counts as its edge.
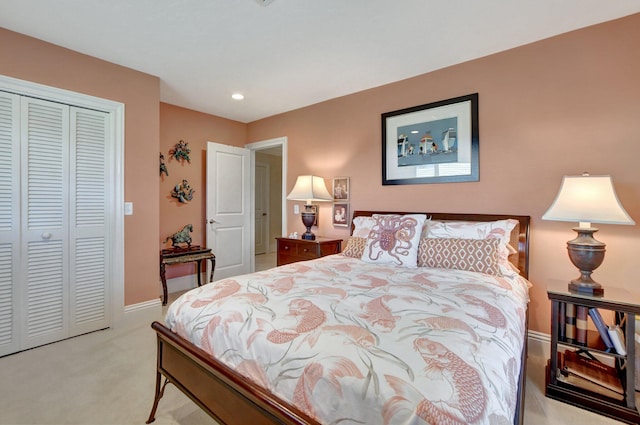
(585, 384)
(601, 326)
(617, 337)
(562, 311)
(582, 312)
(570, 323)
(592, 370)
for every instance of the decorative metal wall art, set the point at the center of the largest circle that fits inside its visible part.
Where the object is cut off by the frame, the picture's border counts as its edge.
(183, 236)
(181, 151)
(183, 192)
(163, 167)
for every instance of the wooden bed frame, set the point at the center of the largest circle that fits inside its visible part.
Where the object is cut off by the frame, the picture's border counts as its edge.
(231, 399)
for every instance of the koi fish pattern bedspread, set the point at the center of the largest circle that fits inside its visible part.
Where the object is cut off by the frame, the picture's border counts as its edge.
(350, 342)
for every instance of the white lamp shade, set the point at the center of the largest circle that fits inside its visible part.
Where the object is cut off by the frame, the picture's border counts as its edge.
(309, 189)
(587, 199)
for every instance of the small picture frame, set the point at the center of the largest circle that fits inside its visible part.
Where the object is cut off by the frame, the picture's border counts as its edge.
(341, 189)
(341, 214)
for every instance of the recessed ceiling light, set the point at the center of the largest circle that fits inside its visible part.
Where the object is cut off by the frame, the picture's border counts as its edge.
(237, 96)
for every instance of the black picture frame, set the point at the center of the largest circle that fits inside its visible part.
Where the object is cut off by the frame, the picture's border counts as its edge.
(433, 143)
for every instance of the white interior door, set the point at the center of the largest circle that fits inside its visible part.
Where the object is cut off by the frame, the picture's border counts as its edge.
(229, 209)
(262, 208)
(45, 212)
(54, 222)
(89, 221)
(9, 222)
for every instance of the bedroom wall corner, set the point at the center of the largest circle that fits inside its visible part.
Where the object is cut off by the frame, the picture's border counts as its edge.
(559, 106)
(195, 128)
(44, 63)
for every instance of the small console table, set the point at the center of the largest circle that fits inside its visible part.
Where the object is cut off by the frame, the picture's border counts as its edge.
(173, 256)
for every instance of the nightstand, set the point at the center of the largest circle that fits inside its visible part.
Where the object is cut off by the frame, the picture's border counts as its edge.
(293, 250)
(624, 312)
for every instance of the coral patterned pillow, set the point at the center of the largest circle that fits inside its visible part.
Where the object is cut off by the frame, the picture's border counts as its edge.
(499, 229)
(394, 239)
(475, 255)
(355, 247)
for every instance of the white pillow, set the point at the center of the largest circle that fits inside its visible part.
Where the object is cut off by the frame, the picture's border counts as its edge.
(362, 225)
(394, 239)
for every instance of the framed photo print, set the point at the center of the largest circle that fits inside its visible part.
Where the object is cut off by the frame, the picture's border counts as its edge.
(341, 214)
(341, 189)
(433, 143)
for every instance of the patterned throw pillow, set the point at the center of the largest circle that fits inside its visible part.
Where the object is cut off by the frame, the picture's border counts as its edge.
(475, 255)
(499, 229)
(355, 247)
(394, 239)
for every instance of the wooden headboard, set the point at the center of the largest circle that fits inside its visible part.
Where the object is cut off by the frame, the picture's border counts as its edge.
(519, 235)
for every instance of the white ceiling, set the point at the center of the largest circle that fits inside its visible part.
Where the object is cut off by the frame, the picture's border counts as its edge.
(293, 53)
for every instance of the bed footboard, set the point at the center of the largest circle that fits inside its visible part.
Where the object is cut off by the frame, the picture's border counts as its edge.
(228, 397)
(223, 394)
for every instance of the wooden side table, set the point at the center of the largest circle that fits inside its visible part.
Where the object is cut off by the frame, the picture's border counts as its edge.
(191, 254)
(625, 312)
(292, 250)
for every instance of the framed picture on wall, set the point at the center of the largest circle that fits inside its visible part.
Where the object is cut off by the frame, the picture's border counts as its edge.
(433, 143)
(341, 189)
(341, 214)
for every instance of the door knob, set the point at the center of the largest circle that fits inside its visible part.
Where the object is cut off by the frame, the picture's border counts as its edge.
(46, 235)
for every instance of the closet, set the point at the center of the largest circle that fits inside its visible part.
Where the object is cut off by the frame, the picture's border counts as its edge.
(54, 221)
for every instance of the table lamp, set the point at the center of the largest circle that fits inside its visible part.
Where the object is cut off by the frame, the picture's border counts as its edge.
(587, 199)
(309, 189)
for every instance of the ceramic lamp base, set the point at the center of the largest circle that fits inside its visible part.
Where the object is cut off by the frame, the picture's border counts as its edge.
(308, 218)
(587, 254)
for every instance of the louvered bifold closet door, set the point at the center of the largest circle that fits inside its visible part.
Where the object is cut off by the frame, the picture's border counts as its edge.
(45, 241)
(88, 229)
(9, 222)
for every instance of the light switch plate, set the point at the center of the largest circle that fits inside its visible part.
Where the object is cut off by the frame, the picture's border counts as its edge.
(296, 209)
(128, 208)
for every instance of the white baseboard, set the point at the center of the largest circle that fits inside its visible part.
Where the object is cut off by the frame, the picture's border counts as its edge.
(152, 310)
(539, 344)
(145, 311)
(184, 283)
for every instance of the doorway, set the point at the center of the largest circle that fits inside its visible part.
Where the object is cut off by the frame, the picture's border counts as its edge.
(268, 163)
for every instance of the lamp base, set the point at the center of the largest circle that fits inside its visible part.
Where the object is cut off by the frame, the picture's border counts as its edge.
(308, 218)
(587, 254)
(308, 236)
(594, 289)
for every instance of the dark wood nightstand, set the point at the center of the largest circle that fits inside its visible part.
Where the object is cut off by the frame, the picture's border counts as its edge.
(190, 254)
(293, 250)
(624, 312)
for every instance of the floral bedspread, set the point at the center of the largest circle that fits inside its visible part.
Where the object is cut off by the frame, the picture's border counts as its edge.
(350, 342)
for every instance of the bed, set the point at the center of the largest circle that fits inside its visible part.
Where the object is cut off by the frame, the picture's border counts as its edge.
(375, 341)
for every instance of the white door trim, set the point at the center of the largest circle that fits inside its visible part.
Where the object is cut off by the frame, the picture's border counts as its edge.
(116, 204)
(265, 144)
(265, 196)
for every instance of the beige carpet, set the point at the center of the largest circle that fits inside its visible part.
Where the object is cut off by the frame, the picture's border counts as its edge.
(108, 377)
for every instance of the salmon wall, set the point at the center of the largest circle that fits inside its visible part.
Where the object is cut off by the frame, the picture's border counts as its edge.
(33, 60)
(557, 107)
(196, 129)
